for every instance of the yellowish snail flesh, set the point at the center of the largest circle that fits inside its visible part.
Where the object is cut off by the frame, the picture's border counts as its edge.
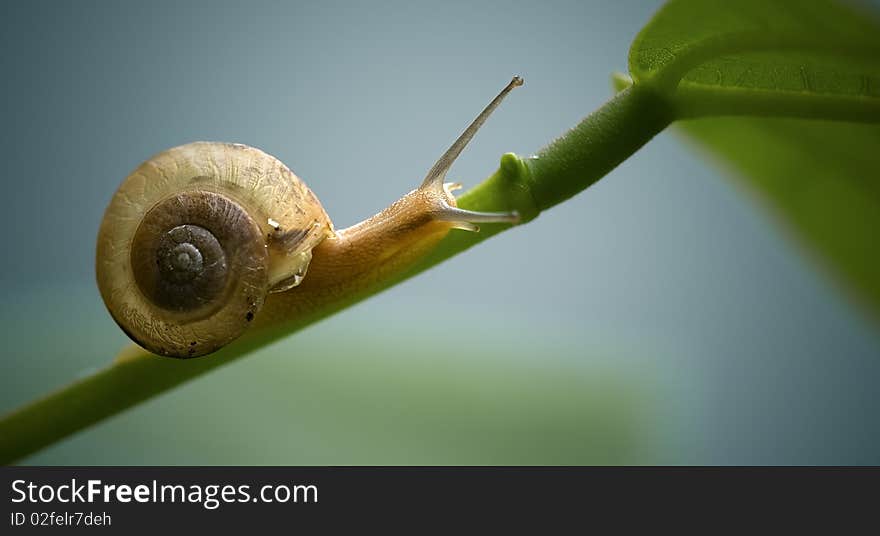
(198, 235)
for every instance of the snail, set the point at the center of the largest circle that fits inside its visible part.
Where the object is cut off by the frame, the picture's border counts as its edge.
(197, 237)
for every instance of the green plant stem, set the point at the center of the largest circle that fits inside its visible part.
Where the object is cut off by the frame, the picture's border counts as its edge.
(565, 167)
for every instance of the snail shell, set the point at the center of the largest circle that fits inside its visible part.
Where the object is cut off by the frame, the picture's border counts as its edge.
(195, 238)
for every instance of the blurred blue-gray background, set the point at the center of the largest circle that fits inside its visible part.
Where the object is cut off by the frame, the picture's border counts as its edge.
(659, 317)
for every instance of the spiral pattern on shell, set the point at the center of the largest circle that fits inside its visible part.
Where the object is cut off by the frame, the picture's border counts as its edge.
(193, 240)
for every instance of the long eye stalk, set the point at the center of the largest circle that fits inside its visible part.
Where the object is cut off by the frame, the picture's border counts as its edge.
(437, 173)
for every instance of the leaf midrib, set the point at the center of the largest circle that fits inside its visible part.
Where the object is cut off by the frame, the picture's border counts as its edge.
(668, 76)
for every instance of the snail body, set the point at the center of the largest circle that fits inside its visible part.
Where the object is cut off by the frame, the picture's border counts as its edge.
(198, 236)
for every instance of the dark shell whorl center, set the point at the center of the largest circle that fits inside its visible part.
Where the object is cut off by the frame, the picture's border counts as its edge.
(191, 266)
(191, 250)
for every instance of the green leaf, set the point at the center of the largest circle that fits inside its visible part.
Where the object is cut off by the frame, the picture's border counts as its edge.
(820, 178)
(807, 58)
(772, 61)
